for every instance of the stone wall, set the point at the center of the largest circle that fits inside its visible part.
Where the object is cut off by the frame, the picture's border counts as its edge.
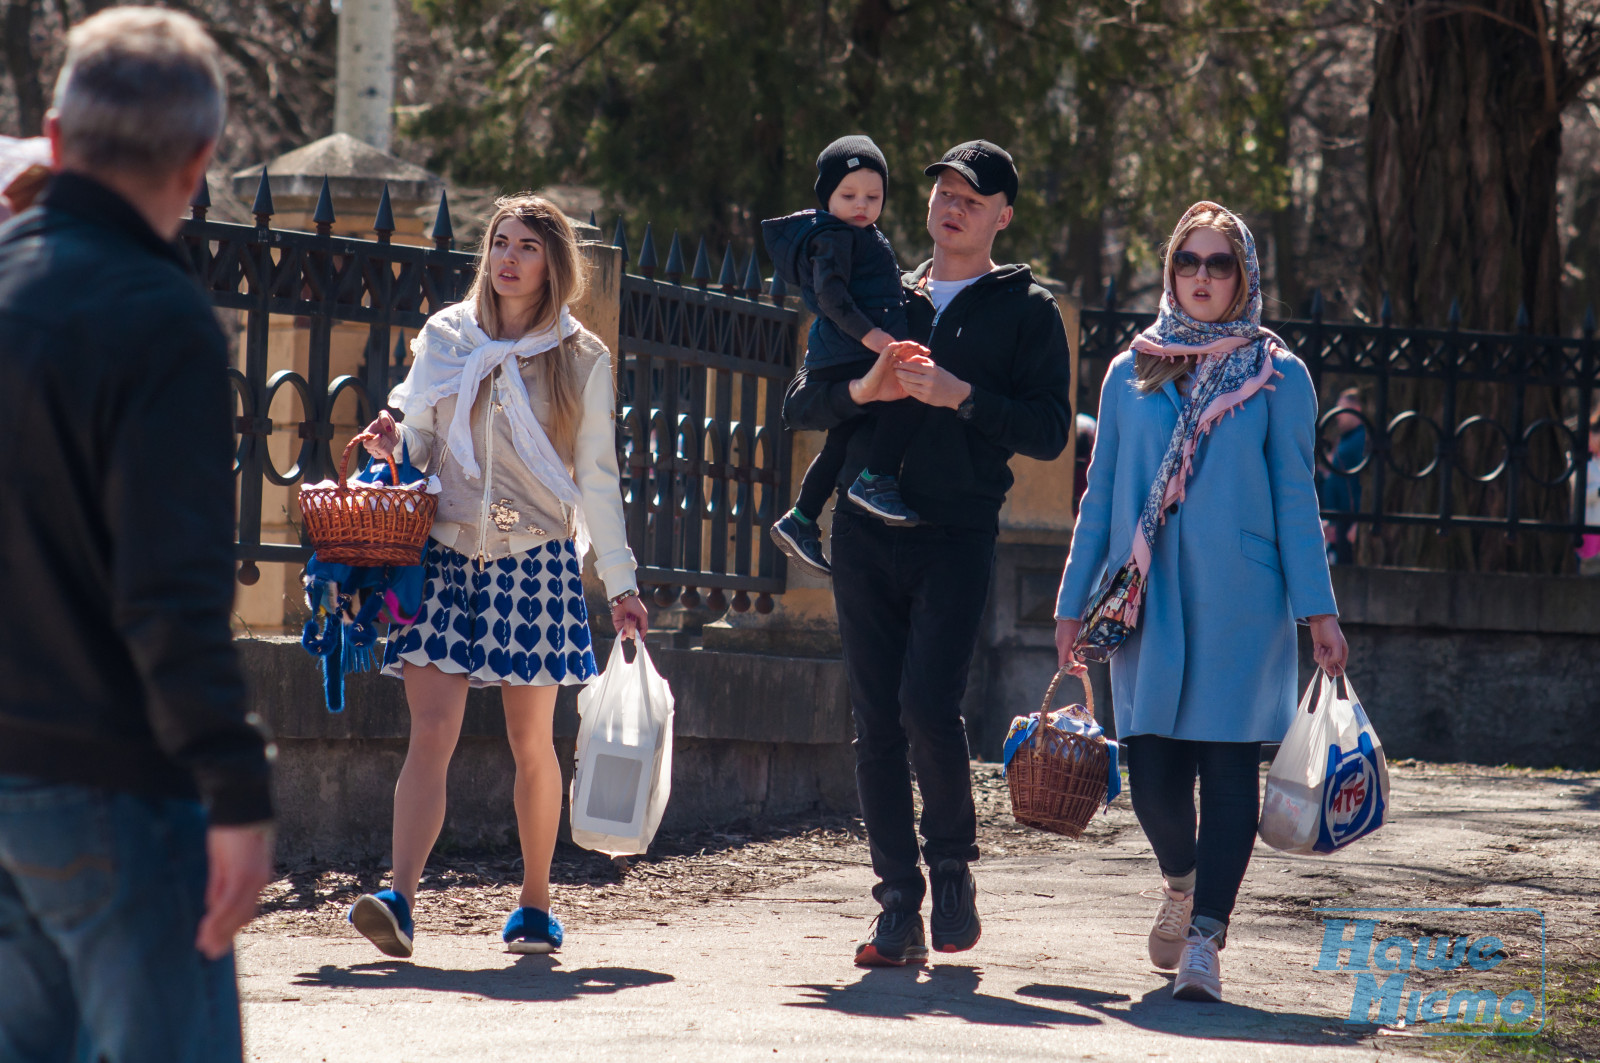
(1451, 666)
(754, 735)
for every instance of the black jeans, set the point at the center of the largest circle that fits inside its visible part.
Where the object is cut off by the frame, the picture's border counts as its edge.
(1161, 774)
(910, 602)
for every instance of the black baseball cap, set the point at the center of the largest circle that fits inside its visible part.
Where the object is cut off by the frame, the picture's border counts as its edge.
(987, 167)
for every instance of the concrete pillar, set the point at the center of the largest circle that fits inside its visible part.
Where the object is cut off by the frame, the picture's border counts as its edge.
(364, 99)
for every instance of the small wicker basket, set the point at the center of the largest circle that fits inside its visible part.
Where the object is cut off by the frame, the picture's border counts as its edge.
(1058, 778)
(367, 525)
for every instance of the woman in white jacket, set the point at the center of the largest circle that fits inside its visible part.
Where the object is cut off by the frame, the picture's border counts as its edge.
(510, 402)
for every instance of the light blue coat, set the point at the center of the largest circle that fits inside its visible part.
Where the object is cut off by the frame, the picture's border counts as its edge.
(1214, 656)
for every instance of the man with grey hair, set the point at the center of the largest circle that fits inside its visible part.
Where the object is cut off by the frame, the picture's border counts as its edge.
(135, 815)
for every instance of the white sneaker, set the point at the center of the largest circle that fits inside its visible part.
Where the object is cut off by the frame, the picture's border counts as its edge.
(1172, 921)
(1200, 970)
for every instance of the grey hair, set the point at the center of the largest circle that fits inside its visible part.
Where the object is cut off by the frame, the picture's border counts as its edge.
(141, 90)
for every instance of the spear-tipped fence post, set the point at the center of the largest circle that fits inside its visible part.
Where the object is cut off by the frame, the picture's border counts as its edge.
(593, 221)
(202, 199)
(674, 270)
(262, 207)
(619, 240)
(728, 276)
(323, 216)
(1111, 294)
(647, 253)
(383, 224)
(1386, 312)
(1453, 318)
(1523, 324)
(752, 277)
(778, 289)
(701, 274)
(444, 233)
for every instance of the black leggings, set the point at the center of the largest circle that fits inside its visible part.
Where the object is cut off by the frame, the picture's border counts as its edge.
(891, 424)
(1161, 774)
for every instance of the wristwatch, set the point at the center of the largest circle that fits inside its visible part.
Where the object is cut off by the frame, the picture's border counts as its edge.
(964, 411)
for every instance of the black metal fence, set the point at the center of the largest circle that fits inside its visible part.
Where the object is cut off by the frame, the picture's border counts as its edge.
(701, 372)
(1474, 431)
(319, 279)
(705, 457)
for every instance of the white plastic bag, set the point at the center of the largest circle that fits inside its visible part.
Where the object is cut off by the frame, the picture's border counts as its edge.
(1329, 783)
(623, 775)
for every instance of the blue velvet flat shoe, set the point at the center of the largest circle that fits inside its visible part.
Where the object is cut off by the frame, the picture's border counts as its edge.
(384, 918)
(531, 931)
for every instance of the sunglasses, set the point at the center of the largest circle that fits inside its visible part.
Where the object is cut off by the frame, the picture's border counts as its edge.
(1187, 264)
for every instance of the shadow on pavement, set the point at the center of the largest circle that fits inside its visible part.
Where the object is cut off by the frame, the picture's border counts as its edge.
(942, 991)
(1159, 1012)
(531, 978)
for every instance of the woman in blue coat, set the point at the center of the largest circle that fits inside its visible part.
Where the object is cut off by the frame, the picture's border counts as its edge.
(1202, 500)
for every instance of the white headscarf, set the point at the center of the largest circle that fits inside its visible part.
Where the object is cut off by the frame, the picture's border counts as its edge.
(454, 355)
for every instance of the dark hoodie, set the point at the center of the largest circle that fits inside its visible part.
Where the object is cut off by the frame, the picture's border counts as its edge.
(848, 278)
(1003, 335)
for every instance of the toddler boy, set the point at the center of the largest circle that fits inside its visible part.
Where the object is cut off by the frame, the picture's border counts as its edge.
(849, 278)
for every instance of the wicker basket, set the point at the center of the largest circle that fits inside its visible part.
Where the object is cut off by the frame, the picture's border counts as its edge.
(367, 525)
(1058, 778)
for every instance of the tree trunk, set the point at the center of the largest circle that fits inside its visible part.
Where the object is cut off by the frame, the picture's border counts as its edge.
(23, 66)
(1464, 138)
(1463, 145)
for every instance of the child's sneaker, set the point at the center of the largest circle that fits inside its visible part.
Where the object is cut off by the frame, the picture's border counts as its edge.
(531, 931)
(384, 918)
(801, 540)
(880, 496)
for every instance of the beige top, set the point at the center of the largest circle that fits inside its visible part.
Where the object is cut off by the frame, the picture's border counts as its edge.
(509, 510)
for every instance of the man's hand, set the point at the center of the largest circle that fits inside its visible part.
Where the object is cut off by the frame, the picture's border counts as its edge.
(240, 860)
(928, 383)
(880, 383)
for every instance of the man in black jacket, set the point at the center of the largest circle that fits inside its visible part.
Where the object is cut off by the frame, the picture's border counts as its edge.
(910, 599)
(134, 806)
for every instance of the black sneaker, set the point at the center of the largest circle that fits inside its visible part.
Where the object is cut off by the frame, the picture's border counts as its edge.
(955, 913)
(881, 498)
(895, 938)
(802, 541)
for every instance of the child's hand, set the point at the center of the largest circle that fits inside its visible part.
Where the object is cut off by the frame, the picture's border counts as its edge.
(905, 350)
(876, 340)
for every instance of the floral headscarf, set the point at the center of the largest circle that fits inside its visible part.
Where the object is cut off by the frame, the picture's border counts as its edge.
(1233, 362)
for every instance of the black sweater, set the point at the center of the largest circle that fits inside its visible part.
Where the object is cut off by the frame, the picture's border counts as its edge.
(1003, 335)
(117, 665)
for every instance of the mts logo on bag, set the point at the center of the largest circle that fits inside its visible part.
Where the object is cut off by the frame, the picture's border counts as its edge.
(1352, 800)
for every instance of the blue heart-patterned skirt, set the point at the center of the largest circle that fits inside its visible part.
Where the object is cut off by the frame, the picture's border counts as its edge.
(520, 620)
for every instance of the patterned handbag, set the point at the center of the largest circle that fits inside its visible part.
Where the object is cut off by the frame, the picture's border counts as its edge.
(1112, 615)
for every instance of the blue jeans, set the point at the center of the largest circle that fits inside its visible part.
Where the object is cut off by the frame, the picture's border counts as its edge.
(101, 895)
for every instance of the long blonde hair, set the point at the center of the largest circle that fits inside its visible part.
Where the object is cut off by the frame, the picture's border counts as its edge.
(555, 372)
(1153, 372)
